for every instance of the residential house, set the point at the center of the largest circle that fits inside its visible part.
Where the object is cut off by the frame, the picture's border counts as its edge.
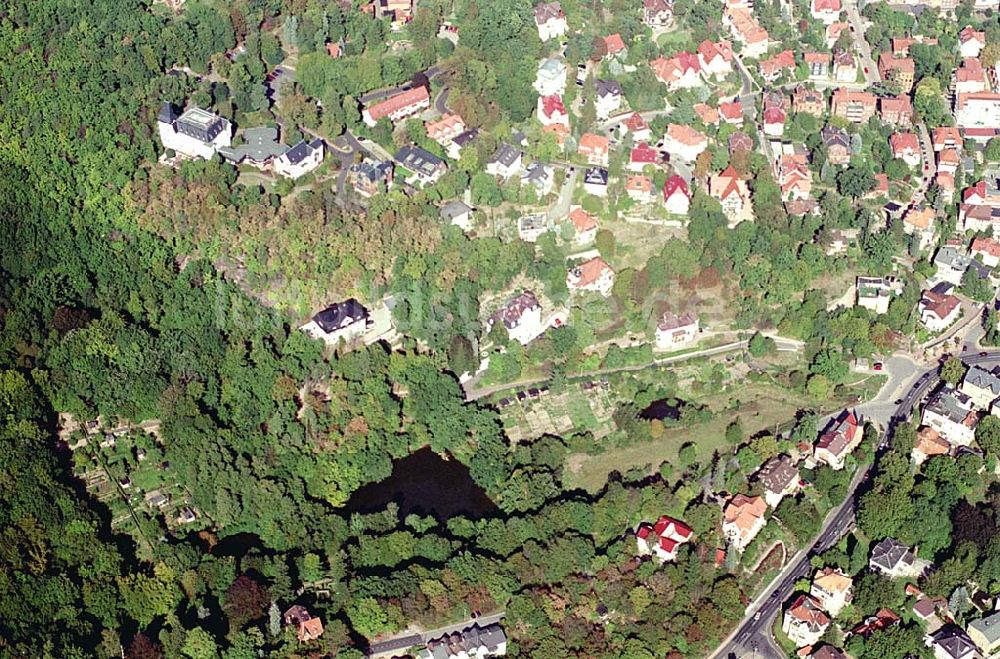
(826, 11)
(948, 162)
(743, 518)
(780, 478)
(774, 122)
(521, 317)
(747, 31)
(505, 162)
(608, 99)
(552, 111)
(951, 642)
(970, 77)
(987, 250)
(684, 142)
(739, 141)
(971, 42)
(832, 589)
(808, 101)
(715, 58)
(662, 539)
(550, 20)
(845, 67)
(636, 126)
(985, 192)
(445, 129)
(775, 66)
(919, 221)
(946, 137)
(985, 633)
(531, 226)
(898, 71)
(979, 218)
(979, 110)
(595, 181)
(818, 65)
(875, 293)
(946, 186)
(595, 149)
(399, 106)
(952, 414)
(938, 310)
(639, 189)
(675, 332)
(883, 619)
(300, 159)
(951, 264)
(457, 213)
(474, 642)
(840, 438)
(856, 107)
(734, 195)
(838, 145)
(906, 147)
(834, 31)
(828, 652)
(551, 77)
(708, 115)
(894, 559)
(259, 148)
(195, 133)
(731, 112)
(642, 156)
(592, 275)
(399, 12)
(929, 443)
(981, 385)
(896, 111)
(805, 622)
(657, 13)
(306, 626)
(584, 226)
(682, 71)
(369, 177)
(425, 167)
(347, 321)
(540, 177)
(615, 46)
(464, 140)
(676, 196)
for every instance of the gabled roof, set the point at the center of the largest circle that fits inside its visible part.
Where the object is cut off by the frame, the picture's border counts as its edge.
(686, 135)
(548, 11)
(743, 511)
(710, 50)
(778, 473)
(675, 185)
(582, 220)
(840, 433)
(340, 315)
(608, 88)
(954, 642)
(807, 610)
(643, 153)
(614, 43)
(395, 103)
(594, 143)
(634, 122)
(889, 553)
(589, 272)
(900, 142)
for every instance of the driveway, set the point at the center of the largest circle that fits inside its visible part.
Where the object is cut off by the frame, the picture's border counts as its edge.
(560, 209)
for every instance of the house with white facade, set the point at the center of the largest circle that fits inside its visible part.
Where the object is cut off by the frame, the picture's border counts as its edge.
(195, 133)
(474, 642)
(550, 20)
(805, 622)
(952, 414)
(300, 159)
(839, 440)
(551, 77)
(895, 560)
(505, 162)
(522, 318)
(939, 309)
(593, 275)
(981, 386)
(662, 539)
(675, 332)
(676, 195)
(743, 518)
(608, 99)
(826, 11)
(875, 293)
(347, 320)
(780, 478)
(832, 589)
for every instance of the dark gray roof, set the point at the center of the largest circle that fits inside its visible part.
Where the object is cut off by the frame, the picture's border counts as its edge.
(453, 209)
(340, 315)
(954, 642)
(260, 143)
(989, 627)
(200, 124)
(168, 113)
(778, 473)
(951, 404)
(980, 378)
(418, 160)
(302, 150)
(373, 171)
(537, 173)
(608, 87)
(506, 155)
(835, 136)
(889, 553)
(596, 176)
(466, 138)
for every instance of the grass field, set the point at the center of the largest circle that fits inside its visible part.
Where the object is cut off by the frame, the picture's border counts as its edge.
(762, 406)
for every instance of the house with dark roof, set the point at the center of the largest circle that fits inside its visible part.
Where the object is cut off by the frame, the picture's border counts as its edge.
(300, 159)
(895, 560)
(951, 412)
(521, 317)
(595, 181)
(195, 133)
(982, 386)
(505, 162)
(259, 148)
(805, 622)
(608, 99)
(367, 176)
(951, 642)
(841, 437)
(426, 168)
(471, 643)
(347, 321)
(780, 478)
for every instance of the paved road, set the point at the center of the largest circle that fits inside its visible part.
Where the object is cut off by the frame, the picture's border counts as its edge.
(560, 209)
(403, 642)
(861, 44)
(441, 103)
(753, 635)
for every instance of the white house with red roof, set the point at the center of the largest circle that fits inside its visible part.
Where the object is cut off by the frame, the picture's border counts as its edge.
(970, 77)
(584, 226)
(641, 156)
(639, 189)
(594, 275)
(595, 148)
(715, 58)
(682, 71)
(746, 30)
(731, 112)
(397, 107)
(773, 67)
(840, 438)
(635, 126)
(551, 111)
(978, 110)
(734, 195)
(805, 622)
(615, 45)
(742, 520)
(676, 195)
(906, 147)
(938, 310)
(971, 42)
(663, 538)
(827, 11)
(445, 129)
(684, 142)
(550, 20)
(774, 122)
(987, 249)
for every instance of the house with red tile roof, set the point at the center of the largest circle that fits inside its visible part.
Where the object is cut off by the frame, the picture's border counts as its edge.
(684, 142)
(775, 66)
(707, 114)
(715, 58)
(948, 161)
(970, 77)
(946, 137)
(919, 221)
(306, 626)
(334, 49)
(642, 155)
(774, 122)
(595, 148)
(682, 71)
(856, 107)
(946, 186)
(840, 438)
(676, 196)
(584, 226)
(657, 13)
(552, 111)
(808, 101)
(445, 129)
(897, 70)
(731, 112)
(636, 126)
(818, 65)
(937, 312)
(742, 520)
(614, 45)
(747, 31)
(397, 107)
(826, 11)
(805, 622)
(845, 67)
(971, 42)
(593, 275)
(639, 189)
(896, 111)
(739, 141)
(834, 31)
(734, 195)
(906, 147)
(987, 249)
(662, 539)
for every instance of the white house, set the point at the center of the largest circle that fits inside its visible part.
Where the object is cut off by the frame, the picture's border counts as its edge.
(396, 107)
(595, 181)
(840, 438)
(300, 159)
(592, 275)
(952, 414)
(458, 213)
(832, 589)
(551, 77)
(715, 58)
(981, 386)
(550, 20)
(780, 478)
(346, 320)
(662, 539)
(608, 99)
(505, 162)
(196, 133)
(743, 518)
(827, 11)
(938, 310)
(674, 332)
(676, 196)
(971, 41)
(979, 110)
(684, 142)
(522, 317)
(584, 226)
(875, 293)
(805, 622)
(894, 559)
(551, 111)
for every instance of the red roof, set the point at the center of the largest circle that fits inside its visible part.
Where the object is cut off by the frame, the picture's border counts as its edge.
(395, 103)
(731, 110)
(968, 34)
(614, 43)
(635, 122)
(709, 50)
(552, 104)
(900, 142)
(674, 185)
(645, 154)
(774, 115)
(826, 5)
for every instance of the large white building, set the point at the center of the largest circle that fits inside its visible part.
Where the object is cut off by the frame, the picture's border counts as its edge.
(300, 159)
(196, 133)
(521, 317)
(979, 110)
(346, 320)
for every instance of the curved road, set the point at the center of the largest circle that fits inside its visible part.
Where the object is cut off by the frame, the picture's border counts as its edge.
(753, 636)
